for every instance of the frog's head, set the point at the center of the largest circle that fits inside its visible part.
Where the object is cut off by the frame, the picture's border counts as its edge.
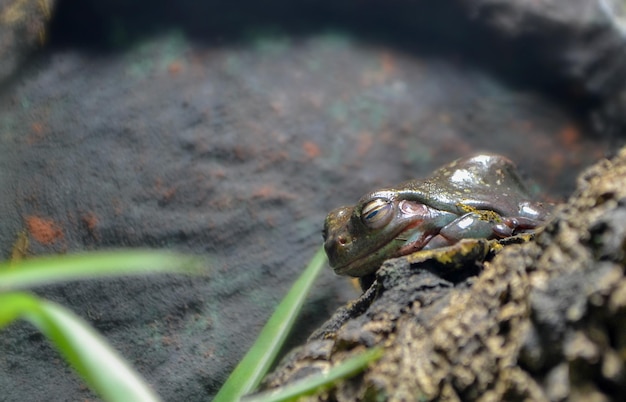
(474, 197)
(380, 226)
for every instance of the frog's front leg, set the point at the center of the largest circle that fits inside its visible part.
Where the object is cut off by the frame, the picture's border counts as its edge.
(469, 226)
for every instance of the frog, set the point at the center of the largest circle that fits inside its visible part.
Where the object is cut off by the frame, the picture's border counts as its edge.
(482, 196)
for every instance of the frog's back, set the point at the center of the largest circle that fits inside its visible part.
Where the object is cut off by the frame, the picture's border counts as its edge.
(484, 181)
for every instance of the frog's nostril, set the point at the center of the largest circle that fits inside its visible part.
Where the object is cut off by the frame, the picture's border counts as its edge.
(342, 240)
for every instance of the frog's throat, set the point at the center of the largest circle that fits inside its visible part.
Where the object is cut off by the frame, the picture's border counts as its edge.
(406, 242)
(368, 263)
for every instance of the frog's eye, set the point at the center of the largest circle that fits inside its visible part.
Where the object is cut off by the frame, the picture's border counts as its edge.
(376, 213)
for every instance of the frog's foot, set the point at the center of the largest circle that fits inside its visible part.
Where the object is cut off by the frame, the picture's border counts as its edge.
(515, 225)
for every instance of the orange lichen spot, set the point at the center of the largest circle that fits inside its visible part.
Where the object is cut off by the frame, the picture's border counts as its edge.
(316, 99)
(218, 173)
(165, 193)
(168, 193)
(387, 64)
(364, 144)
(175, 67)
(241, 153)
(118, 207)
(445, 118)
(526, 125)
(270, 192)
(37, 128)
(37, 133)
(381, 73)
(278, 106)
(311, 149)
(556, 161)
(222, 203)
(208, 353)
(43, 230)
(90, 220)
(569, 135)
(266, 191)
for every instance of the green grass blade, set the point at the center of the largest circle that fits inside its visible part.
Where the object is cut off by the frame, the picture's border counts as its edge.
(313, 383)
(61, 268)
(257, 361)
(87, 351)
(13, 306)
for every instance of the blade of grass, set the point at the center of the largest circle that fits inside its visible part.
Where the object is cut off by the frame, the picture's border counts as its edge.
(47, 270)
(12, 306)
(257, 361)
(101, 367)
(313, 383)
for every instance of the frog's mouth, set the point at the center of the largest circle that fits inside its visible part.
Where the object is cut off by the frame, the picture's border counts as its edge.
(409, 240)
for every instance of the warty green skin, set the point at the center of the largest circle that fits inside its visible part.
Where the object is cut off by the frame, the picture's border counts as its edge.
(481, 196)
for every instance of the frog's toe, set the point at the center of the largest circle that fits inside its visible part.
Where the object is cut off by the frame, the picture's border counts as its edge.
(513, 225)
(439, 241)
(503, 230)
(523, 223)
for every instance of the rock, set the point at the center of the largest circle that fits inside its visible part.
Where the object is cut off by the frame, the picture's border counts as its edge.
(543, 320)
(22, 30)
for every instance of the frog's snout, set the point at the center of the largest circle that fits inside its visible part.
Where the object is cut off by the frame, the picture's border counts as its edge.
(335, 248)
(336, 238)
